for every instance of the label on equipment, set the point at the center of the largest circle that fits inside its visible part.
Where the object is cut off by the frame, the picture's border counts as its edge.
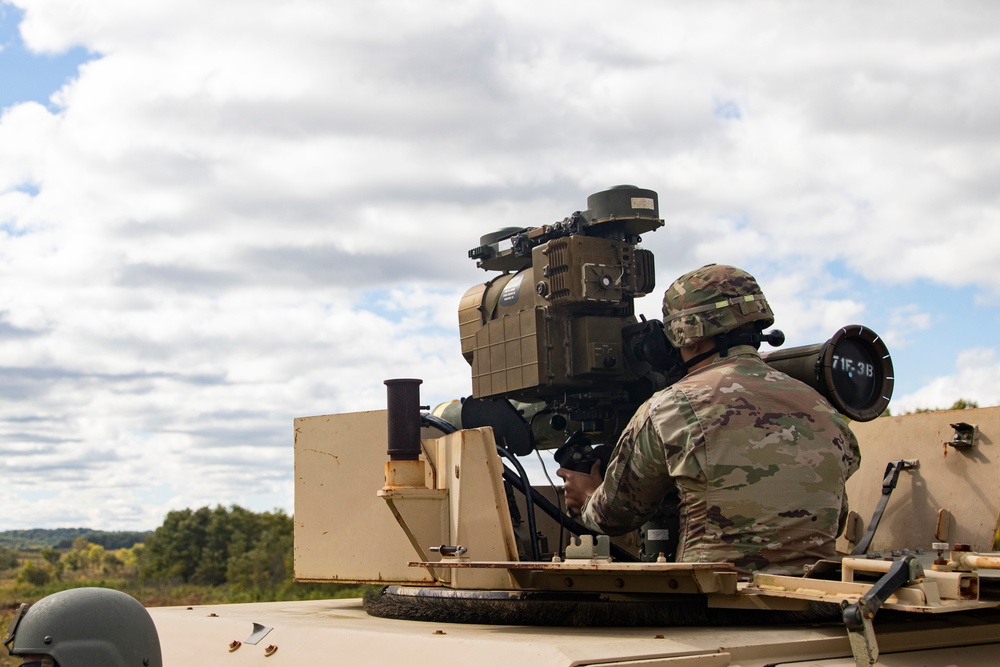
(643, 202)
(656, 534)
(510, 291)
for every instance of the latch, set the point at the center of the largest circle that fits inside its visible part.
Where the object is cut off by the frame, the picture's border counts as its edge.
(965, 435)
(450, 550)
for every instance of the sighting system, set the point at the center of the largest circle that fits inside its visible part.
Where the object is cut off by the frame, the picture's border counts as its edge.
(556, 350)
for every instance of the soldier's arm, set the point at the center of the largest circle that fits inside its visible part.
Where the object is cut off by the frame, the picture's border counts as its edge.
(635, 483)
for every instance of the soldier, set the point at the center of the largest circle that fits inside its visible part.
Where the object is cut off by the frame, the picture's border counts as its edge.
(84, 627)
(759, 460)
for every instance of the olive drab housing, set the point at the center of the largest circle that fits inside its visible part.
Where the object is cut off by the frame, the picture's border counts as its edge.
(712, 300)
(573, 281)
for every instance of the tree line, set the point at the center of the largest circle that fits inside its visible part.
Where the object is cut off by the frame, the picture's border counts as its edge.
(249, 552)
(221, 546)
(62, 538)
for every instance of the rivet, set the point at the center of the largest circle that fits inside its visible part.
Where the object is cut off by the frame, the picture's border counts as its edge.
(235, 644)
(48, 639)
(672, 584)
(269, 650)
(439, 632)
(213, 615)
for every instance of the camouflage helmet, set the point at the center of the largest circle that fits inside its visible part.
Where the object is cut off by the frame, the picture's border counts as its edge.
(83, 627)
(712, 300)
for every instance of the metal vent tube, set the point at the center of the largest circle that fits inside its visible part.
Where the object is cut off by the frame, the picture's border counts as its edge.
(404, 418)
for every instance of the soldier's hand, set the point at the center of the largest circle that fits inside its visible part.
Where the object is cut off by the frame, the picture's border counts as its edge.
(579, 486)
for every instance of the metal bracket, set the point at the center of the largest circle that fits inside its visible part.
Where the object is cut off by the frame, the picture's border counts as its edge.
(585, 547)
(858, 616)
(863, 644)
(14, 622)
(965, 435)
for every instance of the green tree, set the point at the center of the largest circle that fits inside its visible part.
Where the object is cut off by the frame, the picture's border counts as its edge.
(34, 574)
(174, 550)
(50, 555)
(218, 546)
(265, 564)
(73, 561)
(211, 566)
(95, 557)
(960, 404)
(110, 564)
(8, 558)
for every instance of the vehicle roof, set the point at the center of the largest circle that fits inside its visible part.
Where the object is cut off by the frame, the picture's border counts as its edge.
(339, 631)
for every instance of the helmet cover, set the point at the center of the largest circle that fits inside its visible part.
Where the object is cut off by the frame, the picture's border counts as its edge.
(712, 300)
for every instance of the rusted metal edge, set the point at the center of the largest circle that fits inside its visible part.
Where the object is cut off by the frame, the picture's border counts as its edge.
(581, 565)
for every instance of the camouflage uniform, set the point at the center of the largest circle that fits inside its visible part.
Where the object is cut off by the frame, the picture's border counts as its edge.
(759, 459)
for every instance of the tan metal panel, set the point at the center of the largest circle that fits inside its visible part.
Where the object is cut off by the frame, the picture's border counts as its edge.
(964, 482)
(478, 514)
(343, 531)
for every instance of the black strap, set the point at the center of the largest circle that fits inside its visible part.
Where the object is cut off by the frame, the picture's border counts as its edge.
(889, 480)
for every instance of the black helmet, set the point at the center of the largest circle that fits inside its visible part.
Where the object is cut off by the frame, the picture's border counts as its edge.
(86, 627)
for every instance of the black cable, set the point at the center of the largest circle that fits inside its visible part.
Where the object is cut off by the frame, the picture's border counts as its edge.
(555, 514)
(555, 491)
(528, 500)
(436, 422)
(555, 494)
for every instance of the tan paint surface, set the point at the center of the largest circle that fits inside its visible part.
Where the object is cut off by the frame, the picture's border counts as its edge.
(343, 531)
(349, 528)
(339, 632)
(966, 483)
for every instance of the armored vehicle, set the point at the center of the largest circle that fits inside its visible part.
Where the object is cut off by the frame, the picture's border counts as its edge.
(473, 564)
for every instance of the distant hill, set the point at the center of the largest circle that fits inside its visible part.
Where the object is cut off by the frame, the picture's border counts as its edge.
(62, 538)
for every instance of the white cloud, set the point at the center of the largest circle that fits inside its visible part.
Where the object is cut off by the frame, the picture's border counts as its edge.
(265, 212)
(903, 322)
(974, 379)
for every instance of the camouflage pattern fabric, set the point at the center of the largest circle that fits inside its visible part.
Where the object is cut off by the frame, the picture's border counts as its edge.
(759, 460)
(711, 300)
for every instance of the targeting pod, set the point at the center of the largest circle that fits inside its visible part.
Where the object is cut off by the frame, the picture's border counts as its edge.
(852, 370)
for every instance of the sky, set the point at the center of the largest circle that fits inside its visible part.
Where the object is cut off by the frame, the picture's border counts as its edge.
(217, 217)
